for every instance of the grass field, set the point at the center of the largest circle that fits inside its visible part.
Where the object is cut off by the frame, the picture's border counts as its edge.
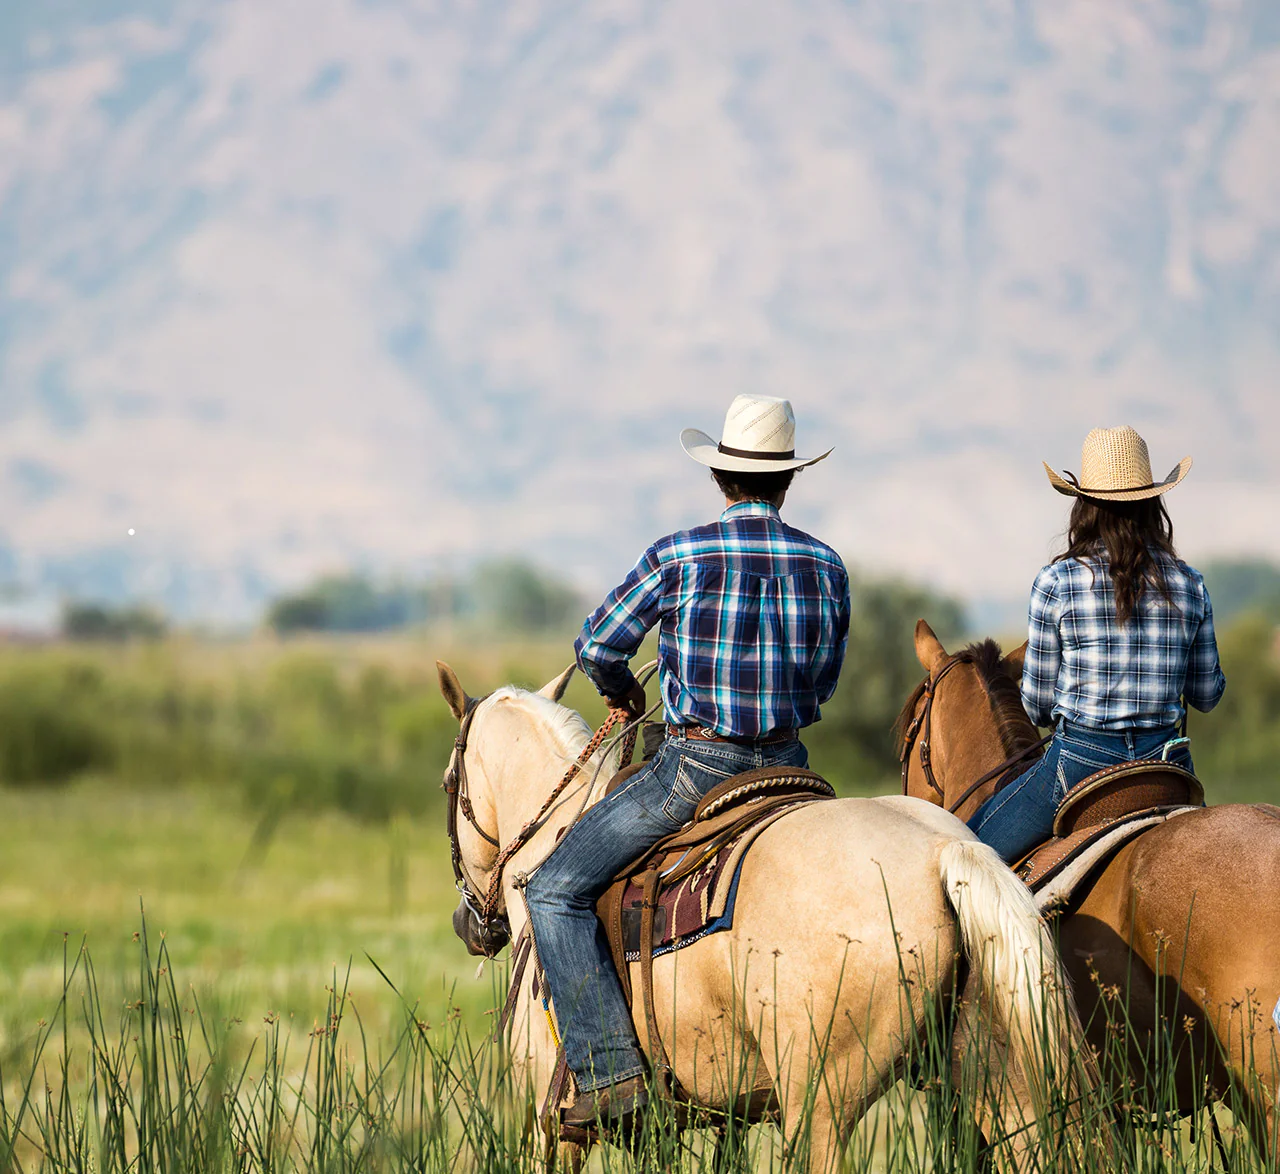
(261, 896)
(265, 922)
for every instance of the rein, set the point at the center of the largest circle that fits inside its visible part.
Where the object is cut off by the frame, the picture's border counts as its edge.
(922, 725)
(485, 909)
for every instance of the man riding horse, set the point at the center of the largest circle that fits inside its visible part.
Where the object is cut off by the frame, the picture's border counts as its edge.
(753, 618)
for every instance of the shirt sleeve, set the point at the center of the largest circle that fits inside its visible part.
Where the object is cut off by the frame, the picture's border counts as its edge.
(828, 674)
(1044, 648)
(1205, 681)
(614, 631)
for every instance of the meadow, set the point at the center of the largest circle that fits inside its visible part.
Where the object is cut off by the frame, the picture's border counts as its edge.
(248, 838)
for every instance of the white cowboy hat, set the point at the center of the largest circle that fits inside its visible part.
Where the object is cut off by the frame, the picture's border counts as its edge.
(759, 437)
(1114, 466)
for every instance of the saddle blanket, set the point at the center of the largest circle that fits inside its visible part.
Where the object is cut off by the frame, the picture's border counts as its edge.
(699, 904)
(1056, 873)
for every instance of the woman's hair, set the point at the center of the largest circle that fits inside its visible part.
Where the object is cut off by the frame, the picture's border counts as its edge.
(753, 486)
(1131, 534)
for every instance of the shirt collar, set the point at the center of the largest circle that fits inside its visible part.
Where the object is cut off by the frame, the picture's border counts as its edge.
(751, 509)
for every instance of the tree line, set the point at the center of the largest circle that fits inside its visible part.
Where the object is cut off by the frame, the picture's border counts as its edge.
(361, 726)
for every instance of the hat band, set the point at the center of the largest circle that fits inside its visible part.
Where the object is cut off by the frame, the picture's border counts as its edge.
(1099, 492)
(725, 450)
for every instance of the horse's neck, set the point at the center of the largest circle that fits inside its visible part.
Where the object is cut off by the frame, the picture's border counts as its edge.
(532, 762)
(974, 746)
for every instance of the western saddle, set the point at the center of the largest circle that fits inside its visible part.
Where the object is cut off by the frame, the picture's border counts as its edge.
(1128, 795)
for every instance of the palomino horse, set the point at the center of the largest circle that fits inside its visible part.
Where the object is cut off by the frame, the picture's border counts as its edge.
(1182, 924)
(811, 1003)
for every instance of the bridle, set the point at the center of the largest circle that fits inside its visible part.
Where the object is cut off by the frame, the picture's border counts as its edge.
(922, 726)
(493, 928)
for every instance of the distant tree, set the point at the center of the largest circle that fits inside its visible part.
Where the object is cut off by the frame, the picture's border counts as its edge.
(508, 594)
(1243, 585)
(1240, 738)
(880, 668)
(305, 612)
(94, 621)
(347, 603)
(517, 596)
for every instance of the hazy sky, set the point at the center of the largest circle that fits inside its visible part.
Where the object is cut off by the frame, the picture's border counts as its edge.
(289, 285)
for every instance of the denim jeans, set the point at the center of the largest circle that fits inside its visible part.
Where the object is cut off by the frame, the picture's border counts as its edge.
(1020, 816)
(594, 1019)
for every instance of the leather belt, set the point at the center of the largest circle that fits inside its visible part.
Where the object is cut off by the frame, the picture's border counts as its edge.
(702, 734)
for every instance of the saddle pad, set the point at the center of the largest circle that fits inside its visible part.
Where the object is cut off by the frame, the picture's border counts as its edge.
(1055, 870)
(699, 904)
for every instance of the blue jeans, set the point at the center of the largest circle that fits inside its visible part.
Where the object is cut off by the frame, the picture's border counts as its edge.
(594, 1019)
(1018, 817)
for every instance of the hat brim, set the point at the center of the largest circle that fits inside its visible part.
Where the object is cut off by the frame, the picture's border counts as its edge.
(1176, 474)
(707, 452)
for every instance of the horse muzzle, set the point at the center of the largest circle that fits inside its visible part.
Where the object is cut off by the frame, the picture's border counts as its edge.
(481, 939)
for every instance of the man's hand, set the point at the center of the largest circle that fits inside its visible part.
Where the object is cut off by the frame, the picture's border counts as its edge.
(631, 704)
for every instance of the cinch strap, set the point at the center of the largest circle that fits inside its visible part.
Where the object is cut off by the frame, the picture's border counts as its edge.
(789, 455)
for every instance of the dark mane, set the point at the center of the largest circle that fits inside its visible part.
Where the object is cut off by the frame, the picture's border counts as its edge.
(1016, 730)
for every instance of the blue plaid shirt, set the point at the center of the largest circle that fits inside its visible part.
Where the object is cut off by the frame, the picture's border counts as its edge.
(754, 620)
(1083, 666)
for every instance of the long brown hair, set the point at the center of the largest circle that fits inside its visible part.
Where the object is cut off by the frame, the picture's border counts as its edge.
(1130, 534)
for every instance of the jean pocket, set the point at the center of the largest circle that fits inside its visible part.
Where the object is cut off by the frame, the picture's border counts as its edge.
(694, 778)
(1076, 762)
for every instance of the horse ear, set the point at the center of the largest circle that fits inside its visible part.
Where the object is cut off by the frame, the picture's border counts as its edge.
(929, 648)
(1013, 661)
(452, 689)
(554, 688)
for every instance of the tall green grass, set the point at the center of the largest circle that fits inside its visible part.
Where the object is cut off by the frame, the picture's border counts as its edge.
(165, 1082)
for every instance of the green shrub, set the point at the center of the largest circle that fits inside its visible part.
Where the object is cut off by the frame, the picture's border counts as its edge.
(48, 730)
(1239, 741)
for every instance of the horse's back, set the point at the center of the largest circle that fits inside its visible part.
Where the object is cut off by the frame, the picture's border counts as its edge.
(1209, 878)
(1195, 901)
(846, 884)
(835, 901)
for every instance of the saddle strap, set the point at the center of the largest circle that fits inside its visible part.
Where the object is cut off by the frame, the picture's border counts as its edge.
(549, 1118)
(660, 1065)
(520, 958)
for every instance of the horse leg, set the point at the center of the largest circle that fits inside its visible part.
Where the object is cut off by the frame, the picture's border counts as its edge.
(992, 1096)
(826, 1088)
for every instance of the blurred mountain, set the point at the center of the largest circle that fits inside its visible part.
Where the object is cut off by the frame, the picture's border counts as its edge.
(293, 287)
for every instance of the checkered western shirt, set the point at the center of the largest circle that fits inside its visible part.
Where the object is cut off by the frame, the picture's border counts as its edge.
(1083, 666)
(753, 620)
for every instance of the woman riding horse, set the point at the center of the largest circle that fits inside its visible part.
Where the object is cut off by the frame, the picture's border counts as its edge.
(1121, 630)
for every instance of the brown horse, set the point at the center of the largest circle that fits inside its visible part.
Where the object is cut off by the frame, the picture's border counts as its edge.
(1182, 926)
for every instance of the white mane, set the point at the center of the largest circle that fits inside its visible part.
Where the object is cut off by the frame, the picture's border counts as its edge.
(569, 726)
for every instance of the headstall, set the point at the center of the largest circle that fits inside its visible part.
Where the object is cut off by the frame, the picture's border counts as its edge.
(922, 726)
(493, 928)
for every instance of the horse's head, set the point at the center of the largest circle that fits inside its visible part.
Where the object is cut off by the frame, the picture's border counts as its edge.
(483, 939)
(964, 719)
(482, 759)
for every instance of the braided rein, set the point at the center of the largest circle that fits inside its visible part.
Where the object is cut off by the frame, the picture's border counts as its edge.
(485, 908)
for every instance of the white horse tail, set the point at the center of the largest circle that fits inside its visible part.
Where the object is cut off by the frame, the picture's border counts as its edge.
(1024, 985)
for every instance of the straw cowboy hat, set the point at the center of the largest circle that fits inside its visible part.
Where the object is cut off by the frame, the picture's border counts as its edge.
(1114, 466)
(759, 437)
